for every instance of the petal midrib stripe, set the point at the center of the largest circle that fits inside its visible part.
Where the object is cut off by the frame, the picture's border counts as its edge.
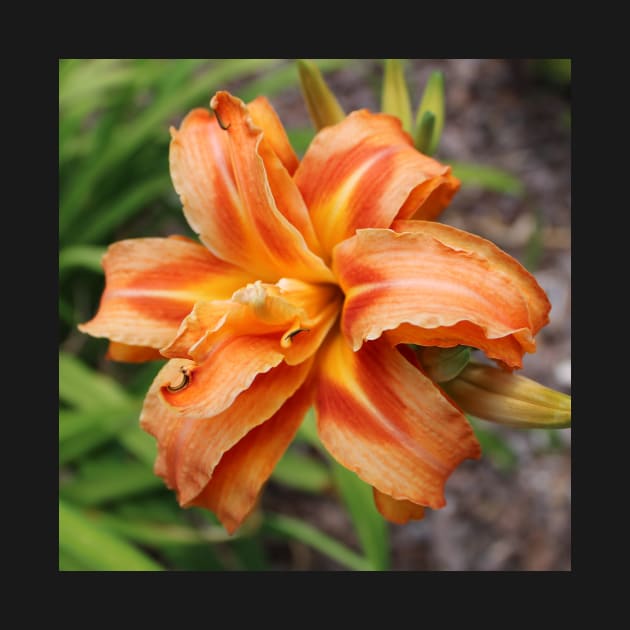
(412, 447)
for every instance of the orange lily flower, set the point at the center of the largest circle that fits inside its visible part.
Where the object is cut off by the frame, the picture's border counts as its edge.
(310, 278)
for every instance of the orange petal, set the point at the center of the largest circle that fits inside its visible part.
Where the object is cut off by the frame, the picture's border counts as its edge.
(131, 354)
(431, 197)
(287, 196)
(507, 350)
(430, 294)
(228, 196)
(535, 297)
(290, 317)
(195, 335)
(241, 473)
(191, 439)
(399, 512)
(384, 419)
(151, 284)
(229, 368)
(280, 164)
(321, 305)
(364, 172)
(265, 117)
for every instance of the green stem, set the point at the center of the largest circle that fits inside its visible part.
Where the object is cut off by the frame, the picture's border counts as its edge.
(293, 528)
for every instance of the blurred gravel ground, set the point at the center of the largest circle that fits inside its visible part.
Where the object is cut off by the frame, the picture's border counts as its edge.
(511, 518)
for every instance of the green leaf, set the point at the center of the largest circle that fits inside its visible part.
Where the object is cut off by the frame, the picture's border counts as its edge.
(395, 96)
(66, 69)
(250, 554)
(179, 72)
(83, 431)
(66, 312)
(91, 79)
(68, 563)
(195, 558)
(81, 256)
(488, 178)
(80, 445)
(157, 534)
(82, 388)
(129, 136)
(286, 526)
(143, 375)
(370, 526)
(102, 480)
(112, 420)
(443, 364)
(114, 212)
(73, 423)
(301, 472)
(139, 443)
(158, 507)
(432, 101)
(86, 544)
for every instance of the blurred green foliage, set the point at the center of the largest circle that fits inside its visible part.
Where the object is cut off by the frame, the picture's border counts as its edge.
(555, 71)
(114, 513)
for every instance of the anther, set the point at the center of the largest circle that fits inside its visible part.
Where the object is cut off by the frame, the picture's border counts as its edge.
(180, 386)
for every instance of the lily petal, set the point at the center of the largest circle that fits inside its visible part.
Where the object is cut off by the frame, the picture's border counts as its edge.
(131, 354)
(151, 284)
(399, 512)
(280, 163)
(291, 318)
(229, 368)
(364, 172)
(264, 116)
(321, 305)
(237, 480)
(430, 294)
(191, 439)
(535, 297)
(384, 419)
(229, 197)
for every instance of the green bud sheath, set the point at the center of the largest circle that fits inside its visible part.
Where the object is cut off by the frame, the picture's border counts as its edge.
(423, 136)
(432, 101)
(395, 98)
(443, 364)
(323, 106)
(493, 394)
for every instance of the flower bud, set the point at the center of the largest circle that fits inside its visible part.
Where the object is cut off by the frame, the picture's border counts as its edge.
(395, 98)
(424, 133)
(432, 101)
(493, 394)
(323, 106)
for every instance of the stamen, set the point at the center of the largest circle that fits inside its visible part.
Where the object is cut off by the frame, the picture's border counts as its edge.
(180, 386)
